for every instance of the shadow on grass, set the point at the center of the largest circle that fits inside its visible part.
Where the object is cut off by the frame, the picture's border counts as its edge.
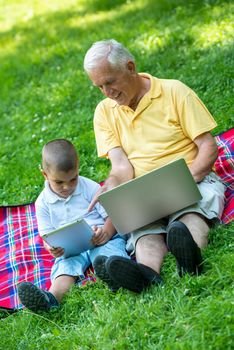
(159, 33)
(46, 94)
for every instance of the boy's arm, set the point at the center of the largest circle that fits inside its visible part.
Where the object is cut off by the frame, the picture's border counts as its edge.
(103, 234)
(43, 218)
(45, 226)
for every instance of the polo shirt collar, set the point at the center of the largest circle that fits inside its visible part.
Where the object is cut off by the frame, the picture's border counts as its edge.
(52, 197)
(155, 86)
(154, 92)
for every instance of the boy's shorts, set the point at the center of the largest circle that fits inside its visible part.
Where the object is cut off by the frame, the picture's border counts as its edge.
(210, 206)
(77, 265)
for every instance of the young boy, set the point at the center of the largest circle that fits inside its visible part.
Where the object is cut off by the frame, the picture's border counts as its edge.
(66, 197)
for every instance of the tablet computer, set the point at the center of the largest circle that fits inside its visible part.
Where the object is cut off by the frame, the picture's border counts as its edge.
(74, 238)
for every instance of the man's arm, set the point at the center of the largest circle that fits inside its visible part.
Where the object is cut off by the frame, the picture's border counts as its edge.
(121, 171)
(121, 168)
(206, 156)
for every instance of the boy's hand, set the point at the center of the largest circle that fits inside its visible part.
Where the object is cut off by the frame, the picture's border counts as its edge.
(100, 236)
(56, 252)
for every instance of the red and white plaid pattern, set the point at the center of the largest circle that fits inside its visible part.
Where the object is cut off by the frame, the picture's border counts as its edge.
(224, 167)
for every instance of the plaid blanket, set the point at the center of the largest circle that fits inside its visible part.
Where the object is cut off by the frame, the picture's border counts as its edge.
(23, 257)
(224, 167)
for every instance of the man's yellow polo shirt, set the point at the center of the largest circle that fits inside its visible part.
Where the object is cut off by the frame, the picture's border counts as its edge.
(162, 128)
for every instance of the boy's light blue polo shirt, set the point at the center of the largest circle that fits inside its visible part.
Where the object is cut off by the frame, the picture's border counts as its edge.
(53, 211)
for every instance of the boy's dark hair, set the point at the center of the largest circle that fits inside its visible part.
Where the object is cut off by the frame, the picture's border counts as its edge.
(59, 154)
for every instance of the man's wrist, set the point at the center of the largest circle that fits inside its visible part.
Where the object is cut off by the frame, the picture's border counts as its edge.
(112, 181)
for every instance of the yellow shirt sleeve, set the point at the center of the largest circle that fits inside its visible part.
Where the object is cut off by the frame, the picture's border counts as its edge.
(106, 138)
(195, 119)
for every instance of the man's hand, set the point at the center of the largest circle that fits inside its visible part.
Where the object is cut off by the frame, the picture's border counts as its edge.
(95, 198)
(121, 171)
(56, 252)
(100, 235)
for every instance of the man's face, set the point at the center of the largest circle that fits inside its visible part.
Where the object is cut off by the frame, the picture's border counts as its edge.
(117, 84)
(62, 183)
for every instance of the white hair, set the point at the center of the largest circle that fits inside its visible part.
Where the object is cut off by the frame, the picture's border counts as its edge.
(111, 50)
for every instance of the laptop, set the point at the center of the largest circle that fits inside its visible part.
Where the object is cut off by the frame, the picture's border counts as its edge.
(74, 238)
(150, 197)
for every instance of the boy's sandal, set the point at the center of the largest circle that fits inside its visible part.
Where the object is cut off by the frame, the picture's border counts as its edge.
(36, 299)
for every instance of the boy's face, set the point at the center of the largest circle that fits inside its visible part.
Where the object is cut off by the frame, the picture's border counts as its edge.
(62, 183)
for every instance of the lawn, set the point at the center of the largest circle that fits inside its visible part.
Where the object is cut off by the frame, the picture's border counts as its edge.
(45, 94)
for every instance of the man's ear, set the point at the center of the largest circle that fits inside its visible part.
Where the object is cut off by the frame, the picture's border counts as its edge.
(131, 67)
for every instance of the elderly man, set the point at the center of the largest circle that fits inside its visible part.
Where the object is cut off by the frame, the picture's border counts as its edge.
(145, 123)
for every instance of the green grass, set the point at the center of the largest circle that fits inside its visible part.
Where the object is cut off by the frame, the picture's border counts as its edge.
(45, 94)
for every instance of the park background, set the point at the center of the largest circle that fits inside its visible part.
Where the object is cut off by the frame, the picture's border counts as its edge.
(45, 94)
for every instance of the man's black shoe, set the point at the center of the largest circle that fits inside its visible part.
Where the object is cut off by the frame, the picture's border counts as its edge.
(130, 274)
(182, 245)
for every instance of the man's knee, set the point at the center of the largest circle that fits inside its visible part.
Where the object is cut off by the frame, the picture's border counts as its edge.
(150, 241)
(198, 227)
